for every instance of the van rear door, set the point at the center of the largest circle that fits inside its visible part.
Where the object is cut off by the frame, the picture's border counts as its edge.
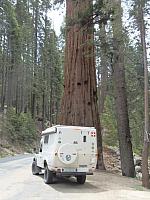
(88, 147)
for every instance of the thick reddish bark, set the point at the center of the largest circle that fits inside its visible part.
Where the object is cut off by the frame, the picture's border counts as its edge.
(79, 103)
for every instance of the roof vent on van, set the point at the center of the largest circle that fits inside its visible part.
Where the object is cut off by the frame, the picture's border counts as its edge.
(67, 154)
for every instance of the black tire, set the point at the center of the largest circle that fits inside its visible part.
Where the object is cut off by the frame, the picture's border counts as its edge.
(35, 168)
(81, 179)
(48, 176)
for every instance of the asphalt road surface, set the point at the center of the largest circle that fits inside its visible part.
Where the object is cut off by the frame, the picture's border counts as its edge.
(18, 183)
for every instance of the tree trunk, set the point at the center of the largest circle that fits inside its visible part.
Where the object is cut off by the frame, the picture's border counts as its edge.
(145, 171)
(104, 70)
(4, 79)
(35, 52)
(79, 103)
(11, 90)
(125, 145)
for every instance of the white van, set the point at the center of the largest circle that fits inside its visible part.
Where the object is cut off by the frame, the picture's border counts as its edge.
(66, 151)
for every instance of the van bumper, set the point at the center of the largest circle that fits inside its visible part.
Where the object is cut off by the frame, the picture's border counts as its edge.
(74, 173)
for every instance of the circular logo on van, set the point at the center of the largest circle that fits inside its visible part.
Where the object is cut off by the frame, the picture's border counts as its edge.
(68, 157)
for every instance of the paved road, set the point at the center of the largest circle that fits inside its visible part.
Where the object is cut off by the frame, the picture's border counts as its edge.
(17, 183)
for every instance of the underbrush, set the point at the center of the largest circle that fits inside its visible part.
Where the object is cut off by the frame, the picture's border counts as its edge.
(18, 131)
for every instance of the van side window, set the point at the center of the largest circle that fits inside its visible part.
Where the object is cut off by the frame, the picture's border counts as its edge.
(41, 147)
(46, 139)
(84, 138)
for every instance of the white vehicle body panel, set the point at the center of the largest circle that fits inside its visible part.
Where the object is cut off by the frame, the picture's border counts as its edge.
(68, 149)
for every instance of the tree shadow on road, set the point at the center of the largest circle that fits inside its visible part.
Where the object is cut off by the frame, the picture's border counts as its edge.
(70, 185)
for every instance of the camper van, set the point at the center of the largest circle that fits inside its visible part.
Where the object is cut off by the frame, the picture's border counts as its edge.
(66, 151)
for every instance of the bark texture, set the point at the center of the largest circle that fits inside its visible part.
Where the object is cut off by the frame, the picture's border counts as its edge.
(103, 74)
(125, 145)
(79, 103)
(145, 153)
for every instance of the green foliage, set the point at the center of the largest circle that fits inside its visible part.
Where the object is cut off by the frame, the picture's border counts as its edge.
(109, 123)
(14, 28)
(43, 76)
(135, 89)
(19, 128)
(30, 59)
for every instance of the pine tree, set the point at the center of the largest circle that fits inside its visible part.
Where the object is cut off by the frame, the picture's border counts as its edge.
(125, 144)
(138, 12)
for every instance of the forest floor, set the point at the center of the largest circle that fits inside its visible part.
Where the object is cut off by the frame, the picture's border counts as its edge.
(112, 160)
(7, 149)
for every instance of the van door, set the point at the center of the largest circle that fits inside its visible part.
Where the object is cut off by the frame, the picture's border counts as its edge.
(88, 148)
(40, 155)
(84, 153)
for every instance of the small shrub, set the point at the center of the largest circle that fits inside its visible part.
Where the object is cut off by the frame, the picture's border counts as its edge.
(19, 128)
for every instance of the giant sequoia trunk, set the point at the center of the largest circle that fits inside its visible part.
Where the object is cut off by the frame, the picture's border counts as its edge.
(79, 103)
(126, 154)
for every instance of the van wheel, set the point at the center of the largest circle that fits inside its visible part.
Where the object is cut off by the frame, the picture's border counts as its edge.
(35, 168)
(81, 179)
(48, 176)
